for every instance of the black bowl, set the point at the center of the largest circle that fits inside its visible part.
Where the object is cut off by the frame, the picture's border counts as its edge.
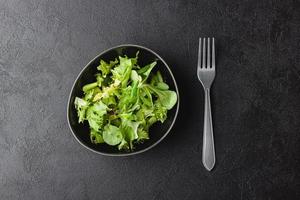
(156, 133)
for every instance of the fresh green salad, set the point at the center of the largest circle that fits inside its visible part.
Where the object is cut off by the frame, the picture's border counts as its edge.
(123, 102)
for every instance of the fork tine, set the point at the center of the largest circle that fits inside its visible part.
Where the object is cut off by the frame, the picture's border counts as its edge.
(199, 53)
(213, 54)
(208, 53)
(204, 52)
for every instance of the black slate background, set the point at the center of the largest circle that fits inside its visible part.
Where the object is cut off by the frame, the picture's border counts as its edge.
(255, 99)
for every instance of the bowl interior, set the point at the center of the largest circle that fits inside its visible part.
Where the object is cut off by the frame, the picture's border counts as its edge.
(156, 132)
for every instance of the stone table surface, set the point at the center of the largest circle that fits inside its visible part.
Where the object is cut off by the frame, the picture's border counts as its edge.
(255, 99)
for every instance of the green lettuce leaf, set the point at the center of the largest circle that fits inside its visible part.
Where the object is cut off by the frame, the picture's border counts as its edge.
(89, 86)
(112, 135)
(81, 106)
(129, 129)
(123, 71)
(142, 135)
(105, 67)
(160, 112)
(166, 98)
(123, 145)
(95, 115)
(145, 71)
(96, 137)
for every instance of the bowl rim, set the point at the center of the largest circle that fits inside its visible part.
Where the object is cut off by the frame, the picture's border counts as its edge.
(135, 152)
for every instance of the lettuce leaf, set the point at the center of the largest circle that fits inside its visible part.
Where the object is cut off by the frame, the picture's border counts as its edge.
(166, 98)
(130, 131)
(96, 137)
(112, 135)
(81, 106)
(105, 68)
(95, 115)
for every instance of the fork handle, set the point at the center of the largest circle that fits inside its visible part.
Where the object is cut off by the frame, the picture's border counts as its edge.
(208, 151)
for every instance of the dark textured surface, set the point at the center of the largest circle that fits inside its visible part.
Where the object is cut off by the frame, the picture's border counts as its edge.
(256, 95)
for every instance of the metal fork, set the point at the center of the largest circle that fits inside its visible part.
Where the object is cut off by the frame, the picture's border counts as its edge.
(206, 74)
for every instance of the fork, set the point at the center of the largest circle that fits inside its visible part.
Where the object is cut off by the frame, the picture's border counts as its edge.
(206, 74)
